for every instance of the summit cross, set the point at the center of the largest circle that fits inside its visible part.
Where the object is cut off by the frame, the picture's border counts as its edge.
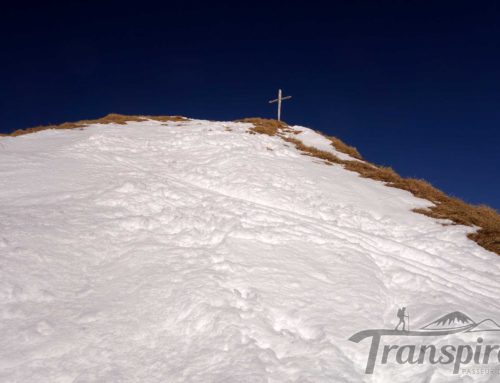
(278, 100)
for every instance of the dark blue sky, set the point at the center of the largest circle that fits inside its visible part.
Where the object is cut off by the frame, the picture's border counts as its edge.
(414, 85)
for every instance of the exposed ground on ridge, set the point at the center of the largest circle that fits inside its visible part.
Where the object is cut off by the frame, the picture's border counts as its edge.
(459, 212)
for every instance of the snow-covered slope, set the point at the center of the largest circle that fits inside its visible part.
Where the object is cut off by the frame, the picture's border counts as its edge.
(196, 252)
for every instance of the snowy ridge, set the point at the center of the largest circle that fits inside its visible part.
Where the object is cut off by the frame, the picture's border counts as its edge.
(310, 138)
(196, 252)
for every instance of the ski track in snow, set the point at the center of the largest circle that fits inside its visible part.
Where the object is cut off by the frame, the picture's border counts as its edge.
(196, 252)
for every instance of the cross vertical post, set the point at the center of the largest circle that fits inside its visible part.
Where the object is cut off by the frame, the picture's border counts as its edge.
(279, 105)
(278, 100)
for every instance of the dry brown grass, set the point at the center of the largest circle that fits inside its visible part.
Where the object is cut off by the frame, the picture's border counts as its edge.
(344, 148)
(109, 119)
(273, 127)
(445, 207)
(264, 125)
(166, 118)
(312, 151)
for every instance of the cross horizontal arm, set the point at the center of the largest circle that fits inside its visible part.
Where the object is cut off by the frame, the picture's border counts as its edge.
(286, 98)
(273, 101)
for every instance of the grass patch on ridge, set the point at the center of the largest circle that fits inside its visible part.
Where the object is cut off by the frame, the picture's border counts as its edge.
(111, 118)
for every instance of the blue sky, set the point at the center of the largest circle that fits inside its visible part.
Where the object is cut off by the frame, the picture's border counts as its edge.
(413, 85)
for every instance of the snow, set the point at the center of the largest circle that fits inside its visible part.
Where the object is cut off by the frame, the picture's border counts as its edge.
(311, 138)
(196, 252)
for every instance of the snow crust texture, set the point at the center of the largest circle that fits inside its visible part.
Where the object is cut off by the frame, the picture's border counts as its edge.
(196, 252)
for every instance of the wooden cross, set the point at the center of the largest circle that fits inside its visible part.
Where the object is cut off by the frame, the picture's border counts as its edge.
(278, 100)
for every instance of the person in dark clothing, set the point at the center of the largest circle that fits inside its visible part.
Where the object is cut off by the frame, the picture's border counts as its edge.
(401, 315)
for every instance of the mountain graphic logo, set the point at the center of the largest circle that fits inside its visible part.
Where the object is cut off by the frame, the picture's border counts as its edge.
(456, 321)
(485, 325)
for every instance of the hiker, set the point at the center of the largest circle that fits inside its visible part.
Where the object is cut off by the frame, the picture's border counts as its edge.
(401, 315)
